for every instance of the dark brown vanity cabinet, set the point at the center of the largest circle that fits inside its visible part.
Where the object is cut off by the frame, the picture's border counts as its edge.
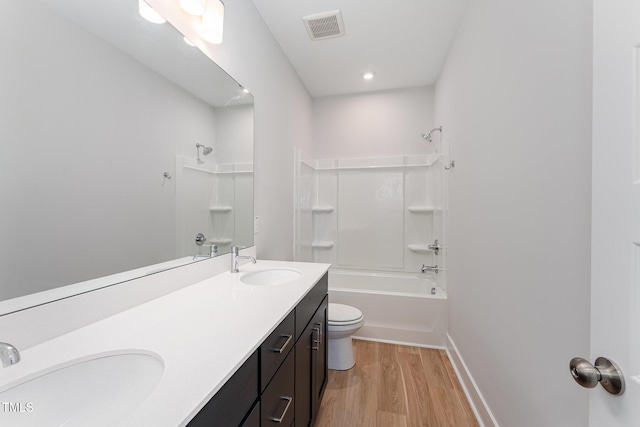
(282, 383)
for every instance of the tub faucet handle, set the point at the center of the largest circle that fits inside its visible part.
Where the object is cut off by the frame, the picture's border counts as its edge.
(8, 354)
(435, 247)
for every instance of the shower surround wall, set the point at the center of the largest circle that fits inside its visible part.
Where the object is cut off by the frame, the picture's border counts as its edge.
(376, 214)
(373, 220)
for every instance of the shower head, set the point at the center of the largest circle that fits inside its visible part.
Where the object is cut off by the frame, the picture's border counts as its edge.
(205, 151)
(427, 136)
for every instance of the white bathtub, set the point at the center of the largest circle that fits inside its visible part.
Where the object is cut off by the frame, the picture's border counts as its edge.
(397, 307)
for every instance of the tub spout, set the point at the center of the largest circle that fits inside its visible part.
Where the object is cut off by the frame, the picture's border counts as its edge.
(430, 268)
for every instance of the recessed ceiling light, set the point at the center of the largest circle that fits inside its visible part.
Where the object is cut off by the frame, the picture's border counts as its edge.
(368, 75)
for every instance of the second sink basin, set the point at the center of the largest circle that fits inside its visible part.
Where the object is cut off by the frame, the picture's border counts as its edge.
(276, 276)
(101, 391)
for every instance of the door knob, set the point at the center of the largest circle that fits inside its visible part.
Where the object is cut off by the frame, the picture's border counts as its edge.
(604, 372)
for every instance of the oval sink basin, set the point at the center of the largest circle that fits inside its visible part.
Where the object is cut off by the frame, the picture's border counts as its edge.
(270, 277)
(101, 391)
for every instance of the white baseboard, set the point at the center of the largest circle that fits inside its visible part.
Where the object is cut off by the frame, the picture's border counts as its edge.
(478, 404)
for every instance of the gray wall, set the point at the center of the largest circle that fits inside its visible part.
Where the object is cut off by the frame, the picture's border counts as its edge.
(515, 99)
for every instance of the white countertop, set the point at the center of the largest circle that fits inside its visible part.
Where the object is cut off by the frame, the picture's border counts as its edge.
(203, 333)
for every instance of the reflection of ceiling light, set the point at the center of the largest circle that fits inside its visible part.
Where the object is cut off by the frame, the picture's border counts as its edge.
(193, 7)
(189, 42)
(212, 22)
(368, 75)
(245, 90)
(149, 14)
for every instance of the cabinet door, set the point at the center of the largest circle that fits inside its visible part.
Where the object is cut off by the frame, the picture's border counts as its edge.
(319, 360)
(311, 367)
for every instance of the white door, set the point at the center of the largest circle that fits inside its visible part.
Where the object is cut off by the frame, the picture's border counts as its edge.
(615, 271)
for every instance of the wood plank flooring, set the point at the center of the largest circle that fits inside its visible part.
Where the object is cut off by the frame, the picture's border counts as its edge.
(393, 385)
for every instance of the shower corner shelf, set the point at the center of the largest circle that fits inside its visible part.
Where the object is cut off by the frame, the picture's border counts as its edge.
(322, 209)
(221, 241)
(419, 248)
(220, 209)
(421, 209)
(322, 245)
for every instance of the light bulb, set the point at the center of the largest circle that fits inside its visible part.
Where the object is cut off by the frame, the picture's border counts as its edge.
(368, 75)
(212, 22)
(193, 7)
(149, 14)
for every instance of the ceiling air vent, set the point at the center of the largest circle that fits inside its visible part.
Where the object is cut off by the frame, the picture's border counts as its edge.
(324, 25)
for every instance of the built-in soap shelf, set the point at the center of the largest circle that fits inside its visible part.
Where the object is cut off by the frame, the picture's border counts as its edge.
(322, 244)
(322, 209)
(221, 241)
(421, 209)
(220, 209)
(419, 248)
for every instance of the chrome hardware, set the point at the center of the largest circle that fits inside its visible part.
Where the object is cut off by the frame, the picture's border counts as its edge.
(235, 257)
(435, 246)
(452, 164)
(286, 343)
(319, 332)
(289, 400)
(604, 372)
(316, 342)
(433, 291)
(213, 249)
(430, 268)
(8, 354)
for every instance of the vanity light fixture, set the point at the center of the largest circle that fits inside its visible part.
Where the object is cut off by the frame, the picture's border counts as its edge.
(193, 7)
(212, 22)
(368, 75)
(149, 14)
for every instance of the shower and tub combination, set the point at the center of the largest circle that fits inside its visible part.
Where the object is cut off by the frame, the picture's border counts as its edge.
(380, 222)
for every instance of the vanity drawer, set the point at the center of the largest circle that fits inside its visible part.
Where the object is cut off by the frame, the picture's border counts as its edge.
(309, 304)
(229, 406)
(277, 401)
(275, 348)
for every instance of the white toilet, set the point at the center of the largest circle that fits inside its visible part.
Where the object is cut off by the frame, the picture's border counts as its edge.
(343, 321)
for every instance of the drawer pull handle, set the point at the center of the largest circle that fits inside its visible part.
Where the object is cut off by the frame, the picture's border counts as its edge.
(286, 343)
(286, 408)
(316, 342)
(319, 332)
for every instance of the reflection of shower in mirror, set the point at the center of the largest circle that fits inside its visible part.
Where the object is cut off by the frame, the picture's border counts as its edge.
(427, 135)
(205, 151)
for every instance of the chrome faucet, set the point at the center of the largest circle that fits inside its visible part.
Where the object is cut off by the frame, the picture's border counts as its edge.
(235, 257)
(213, 251)
(431, 268)
(8, 354)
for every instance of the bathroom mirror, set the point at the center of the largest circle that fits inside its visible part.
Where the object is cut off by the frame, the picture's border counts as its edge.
(100, 115)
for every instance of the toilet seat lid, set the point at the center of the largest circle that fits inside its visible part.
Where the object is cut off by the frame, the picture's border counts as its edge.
(341, 313)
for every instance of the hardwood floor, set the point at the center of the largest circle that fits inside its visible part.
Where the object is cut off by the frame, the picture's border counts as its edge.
(393, 385)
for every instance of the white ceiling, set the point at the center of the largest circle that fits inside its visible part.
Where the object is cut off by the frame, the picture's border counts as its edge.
(403, 41)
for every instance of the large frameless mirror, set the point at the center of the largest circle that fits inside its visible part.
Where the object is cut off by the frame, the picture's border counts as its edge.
(120, 144)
